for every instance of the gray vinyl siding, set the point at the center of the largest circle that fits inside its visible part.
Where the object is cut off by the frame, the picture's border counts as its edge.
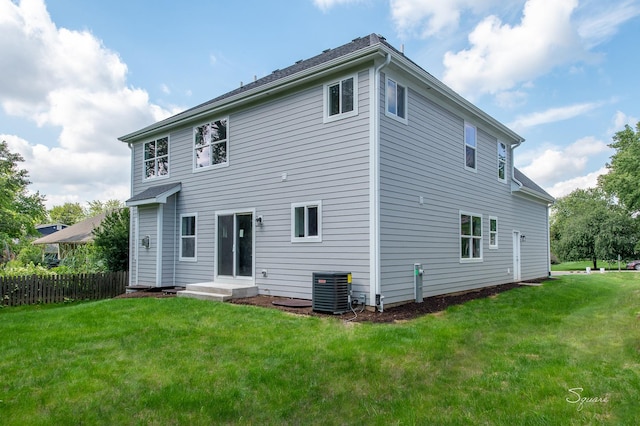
(147, 257)
(327, 162)
(426, 158)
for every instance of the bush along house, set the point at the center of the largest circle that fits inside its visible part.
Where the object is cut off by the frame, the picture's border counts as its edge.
(355, 161)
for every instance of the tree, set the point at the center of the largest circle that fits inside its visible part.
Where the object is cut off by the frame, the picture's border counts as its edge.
(112, 240)
(623, 179)
(68, 213)
(19, 210)
(587, 224)
(96, 206)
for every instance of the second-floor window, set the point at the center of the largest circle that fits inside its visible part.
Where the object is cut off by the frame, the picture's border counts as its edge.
(341, 98)
(156, 158)
(396, 100)
(470, 147)
(211, 144)
(502, 161)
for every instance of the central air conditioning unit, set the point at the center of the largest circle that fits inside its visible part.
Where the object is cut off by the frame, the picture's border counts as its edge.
(330, 292)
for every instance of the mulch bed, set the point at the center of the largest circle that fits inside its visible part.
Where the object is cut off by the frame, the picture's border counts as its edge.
(397, 313)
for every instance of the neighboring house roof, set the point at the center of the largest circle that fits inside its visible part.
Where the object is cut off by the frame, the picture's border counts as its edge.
(530, 187)
(359, 50)
(154, 194)
(50, 228)
(80, 233)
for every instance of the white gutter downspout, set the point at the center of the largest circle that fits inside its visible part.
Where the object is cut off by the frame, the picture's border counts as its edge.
(374, 176)
(133, 255)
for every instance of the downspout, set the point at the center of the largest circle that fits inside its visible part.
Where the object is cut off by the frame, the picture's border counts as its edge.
(375, 177)
(133, 239)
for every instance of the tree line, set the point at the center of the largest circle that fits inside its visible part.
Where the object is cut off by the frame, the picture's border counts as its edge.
(21, 211)
(603, 223)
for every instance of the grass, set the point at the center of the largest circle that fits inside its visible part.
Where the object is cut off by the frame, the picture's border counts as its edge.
(511, 359)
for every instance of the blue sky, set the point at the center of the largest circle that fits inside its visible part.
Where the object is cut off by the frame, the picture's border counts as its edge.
(76, 75)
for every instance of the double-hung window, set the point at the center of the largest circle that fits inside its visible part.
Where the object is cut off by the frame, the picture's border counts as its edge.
(156, 158)
(188, 237)
(341, 98)
(470, 147)
(470, 237)
(211, 144)
(306, 222)
(502, 161)
(493, 232)
(396, 100)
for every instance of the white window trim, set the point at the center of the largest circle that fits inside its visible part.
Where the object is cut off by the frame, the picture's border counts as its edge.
(144, 170)
(330, 118)
(473, 259)
(306, 239)
(506, 160)
(493, 246)
(195, 238)
(464, 144)
(195, 168)
(396, 117)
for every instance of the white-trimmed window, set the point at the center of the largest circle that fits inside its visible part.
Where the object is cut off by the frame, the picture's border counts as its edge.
(188, 238)
(493, 232)
(156, 158)
(306, 222)
(211, 144)
(470, 147)
(502, 161)
(396, 100)
(470, 237)
(341, 98)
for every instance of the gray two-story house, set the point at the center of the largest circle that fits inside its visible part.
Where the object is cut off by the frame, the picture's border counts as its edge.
(354, 160)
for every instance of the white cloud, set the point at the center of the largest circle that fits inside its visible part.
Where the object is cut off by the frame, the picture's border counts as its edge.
(619, 120)
(69, 80)
(551, 115)
(511, 99)
(325, 5)
(165, 89)
(601, 21)
(501, 55)
(557, 164)
(590, 180)
(425, 18)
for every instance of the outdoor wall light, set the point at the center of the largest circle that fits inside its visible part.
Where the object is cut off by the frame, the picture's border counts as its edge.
(259, 220)
(523, 238)
(145, 241)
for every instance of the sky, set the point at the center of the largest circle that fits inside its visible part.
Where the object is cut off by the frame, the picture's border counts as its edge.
(77, 74)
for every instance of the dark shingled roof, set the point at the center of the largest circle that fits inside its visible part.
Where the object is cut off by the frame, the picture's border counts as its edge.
(325, 56)
(153, 192)
(529, 184)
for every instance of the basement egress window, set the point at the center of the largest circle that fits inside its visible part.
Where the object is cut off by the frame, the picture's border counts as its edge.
(306, 222)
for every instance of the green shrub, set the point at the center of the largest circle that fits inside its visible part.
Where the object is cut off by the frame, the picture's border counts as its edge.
(30, 254)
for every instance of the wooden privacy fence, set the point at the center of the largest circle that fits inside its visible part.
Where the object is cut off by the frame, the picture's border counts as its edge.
(33, 289)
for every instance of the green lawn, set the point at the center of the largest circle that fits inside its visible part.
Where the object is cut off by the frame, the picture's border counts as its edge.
(583, 264)
(514, 359)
